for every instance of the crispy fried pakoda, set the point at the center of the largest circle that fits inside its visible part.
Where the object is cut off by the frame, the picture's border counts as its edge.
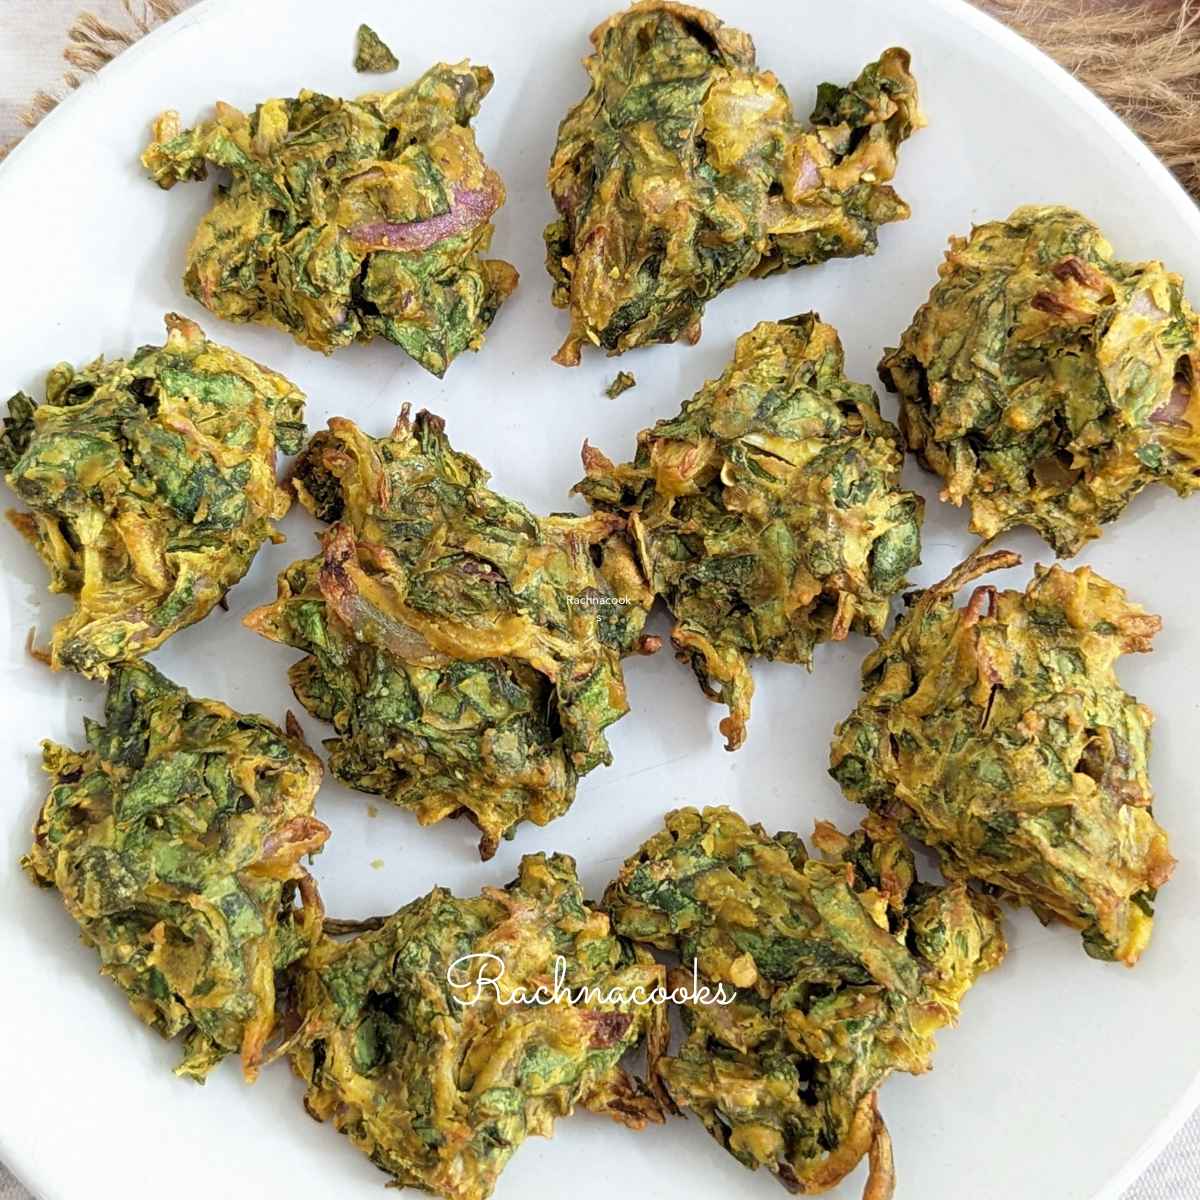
(999, 734)
(768, 514)
(175, 842)
(683, 171)
(151, 484)
(833, 973)
(467, 652)
(1046, 381)
(347, 220)
(440, 1040)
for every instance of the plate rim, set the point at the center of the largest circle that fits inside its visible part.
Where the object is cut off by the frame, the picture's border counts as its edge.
(990, 27)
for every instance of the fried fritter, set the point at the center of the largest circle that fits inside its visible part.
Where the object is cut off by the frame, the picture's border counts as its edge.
(467, 652)
(152, 484)
(372, 54)
(1047, 382)
(684, 171)
(415, 1044)
(347, 220)
(999, 734)
(841, 970)
(175, 841)
(621, 383)
(768, 515)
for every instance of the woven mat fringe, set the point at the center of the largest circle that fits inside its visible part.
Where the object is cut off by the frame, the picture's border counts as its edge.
(1142, 57)
(91, 43)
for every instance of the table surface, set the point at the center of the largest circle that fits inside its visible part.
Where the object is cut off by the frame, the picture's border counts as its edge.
(32, 36)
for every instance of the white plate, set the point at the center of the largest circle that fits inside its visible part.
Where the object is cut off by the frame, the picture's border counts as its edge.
(1065, 1075)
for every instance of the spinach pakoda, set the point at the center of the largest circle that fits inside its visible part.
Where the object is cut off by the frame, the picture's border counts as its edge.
(347, 220)
(769, 514)
(1047, 382)
(467, 652)
(998, 734)
(372, 55)
(175, 842)
(428, 1042)
(684, 171)
(152, 486)
(836, 971)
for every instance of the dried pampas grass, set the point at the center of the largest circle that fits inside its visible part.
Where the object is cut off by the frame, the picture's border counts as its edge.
(1142, 57)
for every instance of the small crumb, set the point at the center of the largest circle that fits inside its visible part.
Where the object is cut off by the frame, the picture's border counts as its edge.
(373, 56)
(623, 382)
(376, 863)
(372, 811)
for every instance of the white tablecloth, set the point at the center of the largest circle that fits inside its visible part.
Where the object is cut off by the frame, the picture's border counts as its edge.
(32, 33)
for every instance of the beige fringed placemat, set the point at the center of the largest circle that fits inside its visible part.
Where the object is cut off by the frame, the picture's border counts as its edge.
(1141, 56)
(91, 39)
